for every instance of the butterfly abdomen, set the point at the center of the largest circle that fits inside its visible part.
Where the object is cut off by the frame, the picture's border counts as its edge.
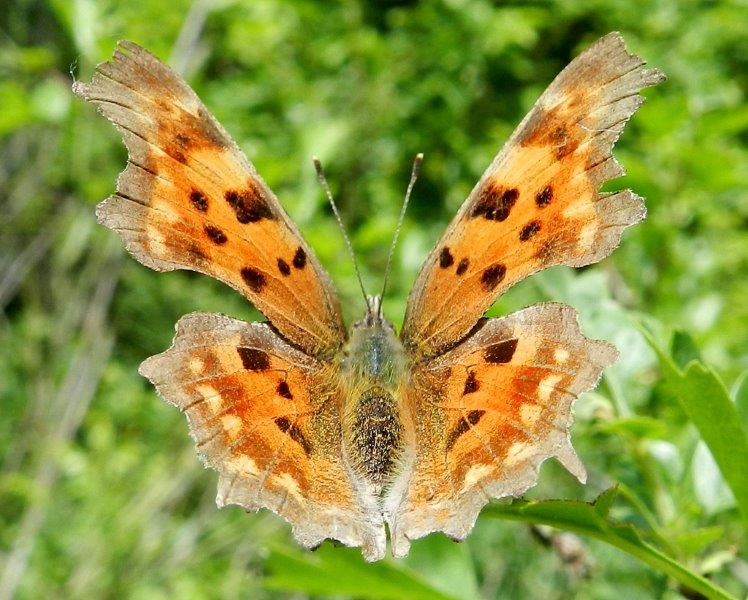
(376, 436)
(374, 366)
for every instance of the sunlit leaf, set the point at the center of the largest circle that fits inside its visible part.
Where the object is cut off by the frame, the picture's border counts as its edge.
(710, 487)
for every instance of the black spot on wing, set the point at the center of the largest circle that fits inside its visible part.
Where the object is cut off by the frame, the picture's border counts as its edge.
(299, 258)
(471, 384)
(199, 201)
(253, 278)
(495, 202)
(544, 197)
(463, 426)
(501, 352)
(292, 431)
(283, 267)
(216, 235)
(446, 259)
(529, 230)
(492, 277)
(284, 391)
(249, 204)
(253, 359)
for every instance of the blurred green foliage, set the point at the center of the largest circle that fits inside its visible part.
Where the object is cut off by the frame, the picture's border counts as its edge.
(100, 492)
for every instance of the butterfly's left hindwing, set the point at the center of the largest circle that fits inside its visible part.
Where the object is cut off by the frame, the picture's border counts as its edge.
(489, 412)
(267, 418)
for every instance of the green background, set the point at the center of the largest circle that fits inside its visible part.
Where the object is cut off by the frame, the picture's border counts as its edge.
(101, 494)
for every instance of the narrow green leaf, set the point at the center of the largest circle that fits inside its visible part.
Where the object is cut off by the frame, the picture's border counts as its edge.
(740, 396)
(684, 349)
(639, 426)
(707, 404)
(586, 519)
(341, 571)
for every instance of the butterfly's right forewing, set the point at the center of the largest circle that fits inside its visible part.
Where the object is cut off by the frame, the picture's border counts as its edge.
(189, 199)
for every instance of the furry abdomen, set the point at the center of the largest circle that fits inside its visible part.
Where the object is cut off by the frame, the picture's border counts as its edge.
(373, 370)
(376, 436)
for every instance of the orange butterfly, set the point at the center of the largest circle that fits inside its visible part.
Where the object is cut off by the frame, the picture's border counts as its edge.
(341, 434)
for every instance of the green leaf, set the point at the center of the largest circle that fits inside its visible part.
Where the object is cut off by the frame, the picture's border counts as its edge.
(447, 565)
(341, 571)
(707, 404)
(740, 396)
(693, 542)
(604, 501)
(587, 518)
(638, 426)
(684, 349)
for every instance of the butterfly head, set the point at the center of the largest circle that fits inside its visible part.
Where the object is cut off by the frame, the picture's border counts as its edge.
(374, 350)
(373, 315)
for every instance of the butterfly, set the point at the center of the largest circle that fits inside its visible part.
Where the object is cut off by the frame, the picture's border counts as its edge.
(348, 433)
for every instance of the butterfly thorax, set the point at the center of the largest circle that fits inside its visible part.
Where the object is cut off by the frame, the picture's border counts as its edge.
(373, 368)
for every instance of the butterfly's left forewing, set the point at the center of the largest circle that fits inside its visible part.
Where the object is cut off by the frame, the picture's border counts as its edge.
(538, 204)
(190, 199)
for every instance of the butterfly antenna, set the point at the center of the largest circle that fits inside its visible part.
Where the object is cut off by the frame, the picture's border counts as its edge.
(413, 176)
(323, 182)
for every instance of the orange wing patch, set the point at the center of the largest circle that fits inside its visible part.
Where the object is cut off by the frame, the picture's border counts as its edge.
(267, 418)
(490, 411)
(537, 204)
(189, 199)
